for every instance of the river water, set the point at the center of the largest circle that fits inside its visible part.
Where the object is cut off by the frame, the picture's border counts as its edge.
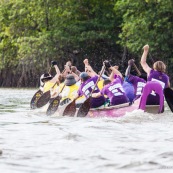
(31, 142)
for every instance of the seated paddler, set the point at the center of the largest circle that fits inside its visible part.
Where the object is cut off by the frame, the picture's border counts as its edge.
(137, 82)
(48, 81)
(88, 81)
(112, 87)
(67, 84)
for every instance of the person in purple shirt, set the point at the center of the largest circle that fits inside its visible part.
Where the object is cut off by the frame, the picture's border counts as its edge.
(113, 87)
(137, 82)
(129, 90)
(87, 85)
(157, 74)
(88, 81)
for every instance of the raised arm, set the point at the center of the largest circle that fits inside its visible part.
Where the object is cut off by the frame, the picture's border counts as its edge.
(144, 64)
(114, 70)
(55, 78)
(66, 70)
(130, 63)
(75, 76)
(89, 69)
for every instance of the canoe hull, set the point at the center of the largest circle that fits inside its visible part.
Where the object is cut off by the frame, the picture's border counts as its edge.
(121, 110)
(114, 111)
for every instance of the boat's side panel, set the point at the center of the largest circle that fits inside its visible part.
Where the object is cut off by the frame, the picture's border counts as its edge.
(121, 111)
(115, 112)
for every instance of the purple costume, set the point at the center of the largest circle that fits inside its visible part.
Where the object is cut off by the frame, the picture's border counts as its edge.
(115, 92)
(129, 90)
(162, 78)
(138, 84)
(86, 88)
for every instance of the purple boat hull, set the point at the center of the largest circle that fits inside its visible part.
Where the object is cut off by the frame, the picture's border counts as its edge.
(113, 111)
(120, 110)
(116, 111)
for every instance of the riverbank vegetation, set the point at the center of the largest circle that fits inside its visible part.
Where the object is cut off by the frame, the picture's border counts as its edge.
(32, 33)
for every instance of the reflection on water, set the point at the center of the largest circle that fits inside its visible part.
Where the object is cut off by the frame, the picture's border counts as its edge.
(33, 142)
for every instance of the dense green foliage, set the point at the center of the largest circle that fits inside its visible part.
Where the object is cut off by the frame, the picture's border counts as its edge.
(32, 33)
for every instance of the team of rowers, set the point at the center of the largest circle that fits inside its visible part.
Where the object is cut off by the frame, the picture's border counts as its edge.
(111, 89)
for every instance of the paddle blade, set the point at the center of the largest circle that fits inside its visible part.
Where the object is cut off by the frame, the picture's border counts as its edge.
(43, 100)
(84, 108)
(169, 97)
(35, 98)
(65, 101)
(53, 106)
(70, 109)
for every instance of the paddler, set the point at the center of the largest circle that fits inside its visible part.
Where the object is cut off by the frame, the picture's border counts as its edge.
(48, 79)
(137, 82)
(88, 81)
(113, 87)
(155, 74)
(69, 81)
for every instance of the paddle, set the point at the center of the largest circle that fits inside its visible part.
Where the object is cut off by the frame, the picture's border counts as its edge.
(54, 104)
(43, 100)
(85, 107)
(70, 109)
(37, 95)
(65, 101)
(168, 92)
(150, 56)
(35, 98)
(137, 70)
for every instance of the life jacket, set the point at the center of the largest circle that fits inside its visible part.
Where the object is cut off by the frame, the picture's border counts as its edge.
(70, 91)
(48, 85)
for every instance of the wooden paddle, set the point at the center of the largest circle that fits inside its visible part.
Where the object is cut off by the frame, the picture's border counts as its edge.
(70, 109)
(35, 98)
(137, 70)
(37, 95)
(168, 92)
(65, 101)
(54, 104)
(43, 100)
(85, 107)
(151, 58)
